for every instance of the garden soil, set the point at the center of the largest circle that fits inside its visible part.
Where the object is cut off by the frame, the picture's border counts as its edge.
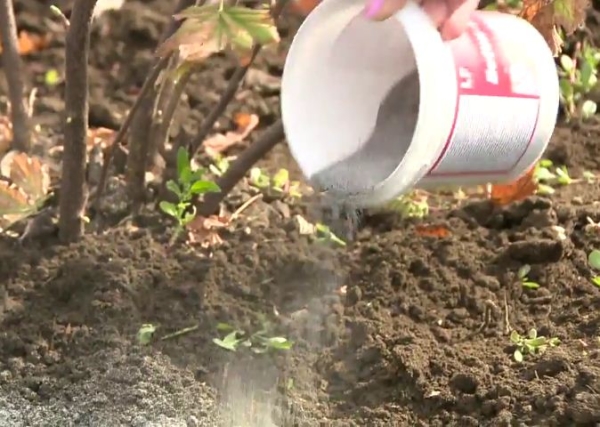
(397, 328)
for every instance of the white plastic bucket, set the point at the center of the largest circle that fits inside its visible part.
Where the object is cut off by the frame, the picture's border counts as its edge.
(479, 109)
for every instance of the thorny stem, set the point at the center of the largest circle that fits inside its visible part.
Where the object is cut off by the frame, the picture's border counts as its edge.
(73, 186)
(273, 135)
(13, 67)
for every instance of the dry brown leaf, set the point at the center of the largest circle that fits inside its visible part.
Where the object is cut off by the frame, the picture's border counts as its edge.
(100, 136)
(303, 7)
(14, 204)
(439, 231)
(218, 143)
(504, 194)
(193, 42)
(28, 173)
(6, 134)
(30, 42)
(203, 230)
(547, 15)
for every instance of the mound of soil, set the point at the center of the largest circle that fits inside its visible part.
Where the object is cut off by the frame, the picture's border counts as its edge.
(395, 329)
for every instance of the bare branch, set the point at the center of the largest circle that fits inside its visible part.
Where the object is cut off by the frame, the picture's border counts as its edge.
(73, 186)
(11, 62)
(145, 92)
(240, 167)
(226, 98)
(141, 110)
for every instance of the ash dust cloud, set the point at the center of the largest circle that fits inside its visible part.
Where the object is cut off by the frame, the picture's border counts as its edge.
(275, 390)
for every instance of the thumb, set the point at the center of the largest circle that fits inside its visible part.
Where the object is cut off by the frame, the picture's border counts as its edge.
(382, 9)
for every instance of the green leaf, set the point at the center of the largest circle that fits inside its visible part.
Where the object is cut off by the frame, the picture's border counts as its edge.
(258, 23)
(586, 73)
(51, 78)
(518, 356)
(173, 187)
(596, 281)
(524, 271)
(203, 187)
(537, 342)
(188, 217)
(281, 178)
(145, 333)
(279, 343)
(169, 208)
(594, 259)
(183, 161)
(567, 64)
(229, 342)
(530, 285)
(588, 109)
(515, 338)
(532, 334)
(224, 327)
(566, 89)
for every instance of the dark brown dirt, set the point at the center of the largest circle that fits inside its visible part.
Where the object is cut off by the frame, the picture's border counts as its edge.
(396, 329)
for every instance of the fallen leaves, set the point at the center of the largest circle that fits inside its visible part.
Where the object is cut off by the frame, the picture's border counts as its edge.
(217, 144)
(548, 15)
(24, 186)
(6, 134)
(203, 231)
(439, 231)
(29, 43)
(303, 7)
(504, 194)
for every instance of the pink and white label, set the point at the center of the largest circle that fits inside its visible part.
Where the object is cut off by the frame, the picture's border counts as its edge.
(497, 106)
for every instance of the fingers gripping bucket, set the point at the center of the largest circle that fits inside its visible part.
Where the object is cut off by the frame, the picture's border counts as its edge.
(372, 110)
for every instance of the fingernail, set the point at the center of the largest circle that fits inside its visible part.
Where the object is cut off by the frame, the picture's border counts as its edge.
(373, 7)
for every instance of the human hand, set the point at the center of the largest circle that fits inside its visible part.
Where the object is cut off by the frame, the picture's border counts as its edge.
(450, 16)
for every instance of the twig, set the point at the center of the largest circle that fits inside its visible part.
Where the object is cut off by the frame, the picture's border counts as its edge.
(273, 135)
(142, 103)
(224, 101)
(180, 332)
(13, 67)
(73, 186)
(144, 92)
(245, 206)
(139, 148)
(230, 91)
(59, 13)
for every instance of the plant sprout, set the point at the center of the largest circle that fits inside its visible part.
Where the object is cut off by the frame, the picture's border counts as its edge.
(189, 184)
(594, 263)
(525, 282)
(530, 344)
(258, 342)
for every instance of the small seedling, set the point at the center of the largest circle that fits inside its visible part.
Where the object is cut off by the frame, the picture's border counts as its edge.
(525, 282)
(546, 175)
(258, 342)
(220, 166)
(279, 183)
(413, 205)
(324, 234)
(146, 333)
(594, 263)
(578, 77)
(531, 344)
(189, 184)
